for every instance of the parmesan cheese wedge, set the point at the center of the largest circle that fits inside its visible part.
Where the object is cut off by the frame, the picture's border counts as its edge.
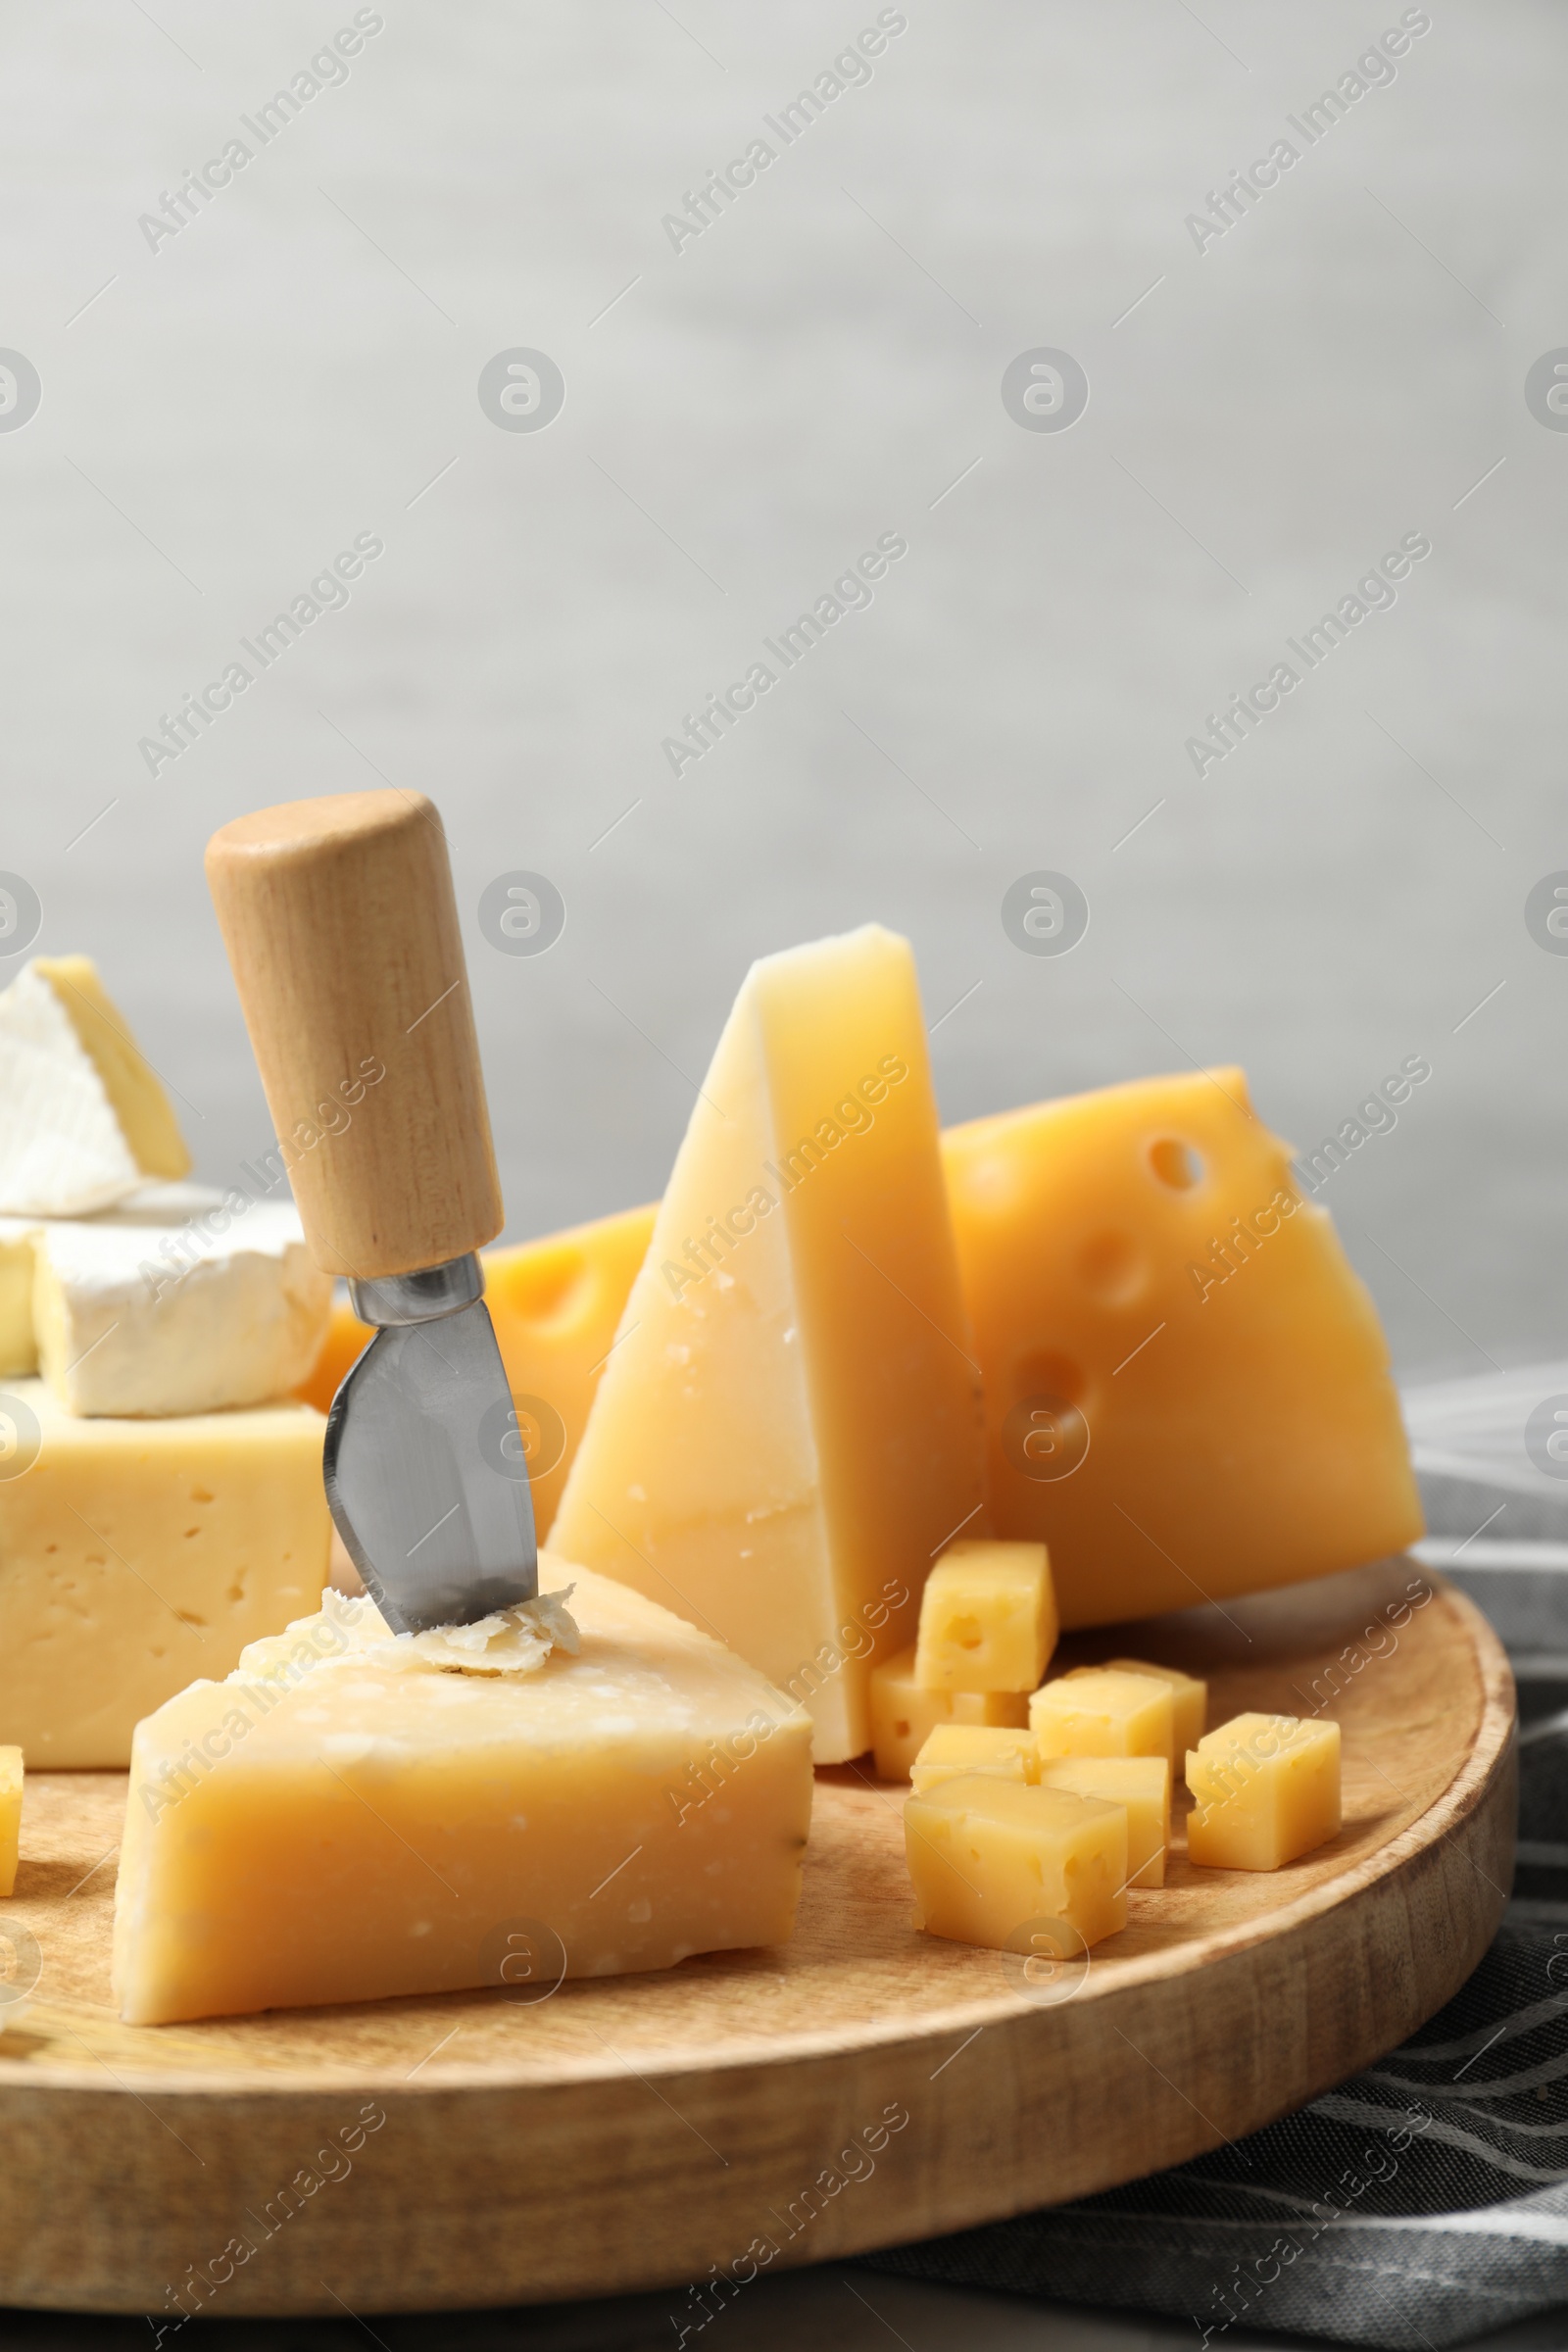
(581, 1786)
(83, 1120)
(788, 1428)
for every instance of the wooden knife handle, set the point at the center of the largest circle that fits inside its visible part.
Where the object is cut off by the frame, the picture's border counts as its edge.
(342, 932)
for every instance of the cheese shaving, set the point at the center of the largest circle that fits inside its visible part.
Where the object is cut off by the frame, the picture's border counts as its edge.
(513, 1641)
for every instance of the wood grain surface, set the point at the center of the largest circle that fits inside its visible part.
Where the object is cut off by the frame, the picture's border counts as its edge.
(342, 930)
(863, 2086)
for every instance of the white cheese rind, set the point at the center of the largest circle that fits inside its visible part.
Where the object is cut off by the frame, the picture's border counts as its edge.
(62, 1150)
(122, 1330)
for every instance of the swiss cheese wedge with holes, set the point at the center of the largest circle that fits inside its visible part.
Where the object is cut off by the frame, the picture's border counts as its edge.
(1187, 1387)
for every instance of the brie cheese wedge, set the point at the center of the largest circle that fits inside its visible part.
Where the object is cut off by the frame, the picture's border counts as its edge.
(83, 1120)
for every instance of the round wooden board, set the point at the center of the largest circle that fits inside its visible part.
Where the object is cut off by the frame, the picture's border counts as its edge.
(865, 2086)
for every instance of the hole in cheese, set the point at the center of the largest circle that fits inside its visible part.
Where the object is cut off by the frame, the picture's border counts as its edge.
(1176, 1163)
(548, 1286)
(1111, 1268)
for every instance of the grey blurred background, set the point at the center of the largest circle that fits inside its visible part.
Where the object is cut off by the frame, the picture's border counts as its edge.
(745, 414)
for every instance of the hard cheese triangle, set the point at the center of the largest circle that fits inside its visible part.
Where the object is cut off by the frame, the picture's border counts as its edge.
(349, 1817)
(83, 1120)
(1187, 1388)
(788, 1428)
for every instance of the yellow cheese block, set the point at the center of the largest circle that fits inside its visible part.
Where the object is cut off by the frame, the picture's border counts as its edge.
(1139, 1782)
(19, 1346)
(10, 1816)
(990, 1859)
(136, 1096)
(1266, 1790)
(788, 1431)
(1189, 1698)
(988, 1618)
(136, 1554)
(1187, 1389)
(1098, 1713)
(904, 1714)
(954, 1748)
(330, 1827)
(555, 1305)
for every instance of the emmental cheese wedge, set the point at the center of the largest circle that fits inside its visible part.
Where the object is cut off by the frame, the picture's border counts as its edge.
(788, 1426)
(1187, 1391)
(555, 1305)
(348, 1818)
(134, 1554)
(83, 1120)
(150, 1311)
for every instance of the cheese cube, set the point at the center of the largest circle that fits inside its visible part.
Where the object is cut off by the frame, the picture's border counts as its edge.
(988, 1618)
(952, 1748)
(1140, 1263)
(177, 1302)
(904, 1715)
(1102, 1714)
(1266, 1791)
(555, 1305)
(134, 1554)
(1189, 1700)
(1139, 1782)
(990, 1859)
(83, 1120)
(788, 1428)
(19, 1349)
(10, 1816)
(347, 1818)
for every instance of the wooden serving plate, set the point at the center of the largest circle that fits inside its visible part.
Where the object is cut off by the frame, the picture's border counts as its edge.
(865, 2085)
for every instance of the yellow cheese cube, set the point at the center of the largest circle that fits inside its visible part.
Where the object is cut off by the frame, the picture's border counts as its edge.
(345, 1823)
(1099, 1713)
(10, 1814)
(134, 1554)
(555, 1305)
(1189, 1700)
(789, 1427)
(988, 1618)
(1139, 1782)
(989, 1857)
(1267, 1791)
(952, 1749)
(1140, 1263)
(904, 1715)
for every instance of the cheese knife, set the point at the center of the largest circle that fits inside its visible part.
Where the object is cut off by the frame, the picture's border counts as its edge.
(342, 932)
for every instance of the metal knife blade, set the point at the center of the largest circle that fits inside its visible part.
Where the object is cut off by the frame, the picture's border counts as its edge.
(426, 1473)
